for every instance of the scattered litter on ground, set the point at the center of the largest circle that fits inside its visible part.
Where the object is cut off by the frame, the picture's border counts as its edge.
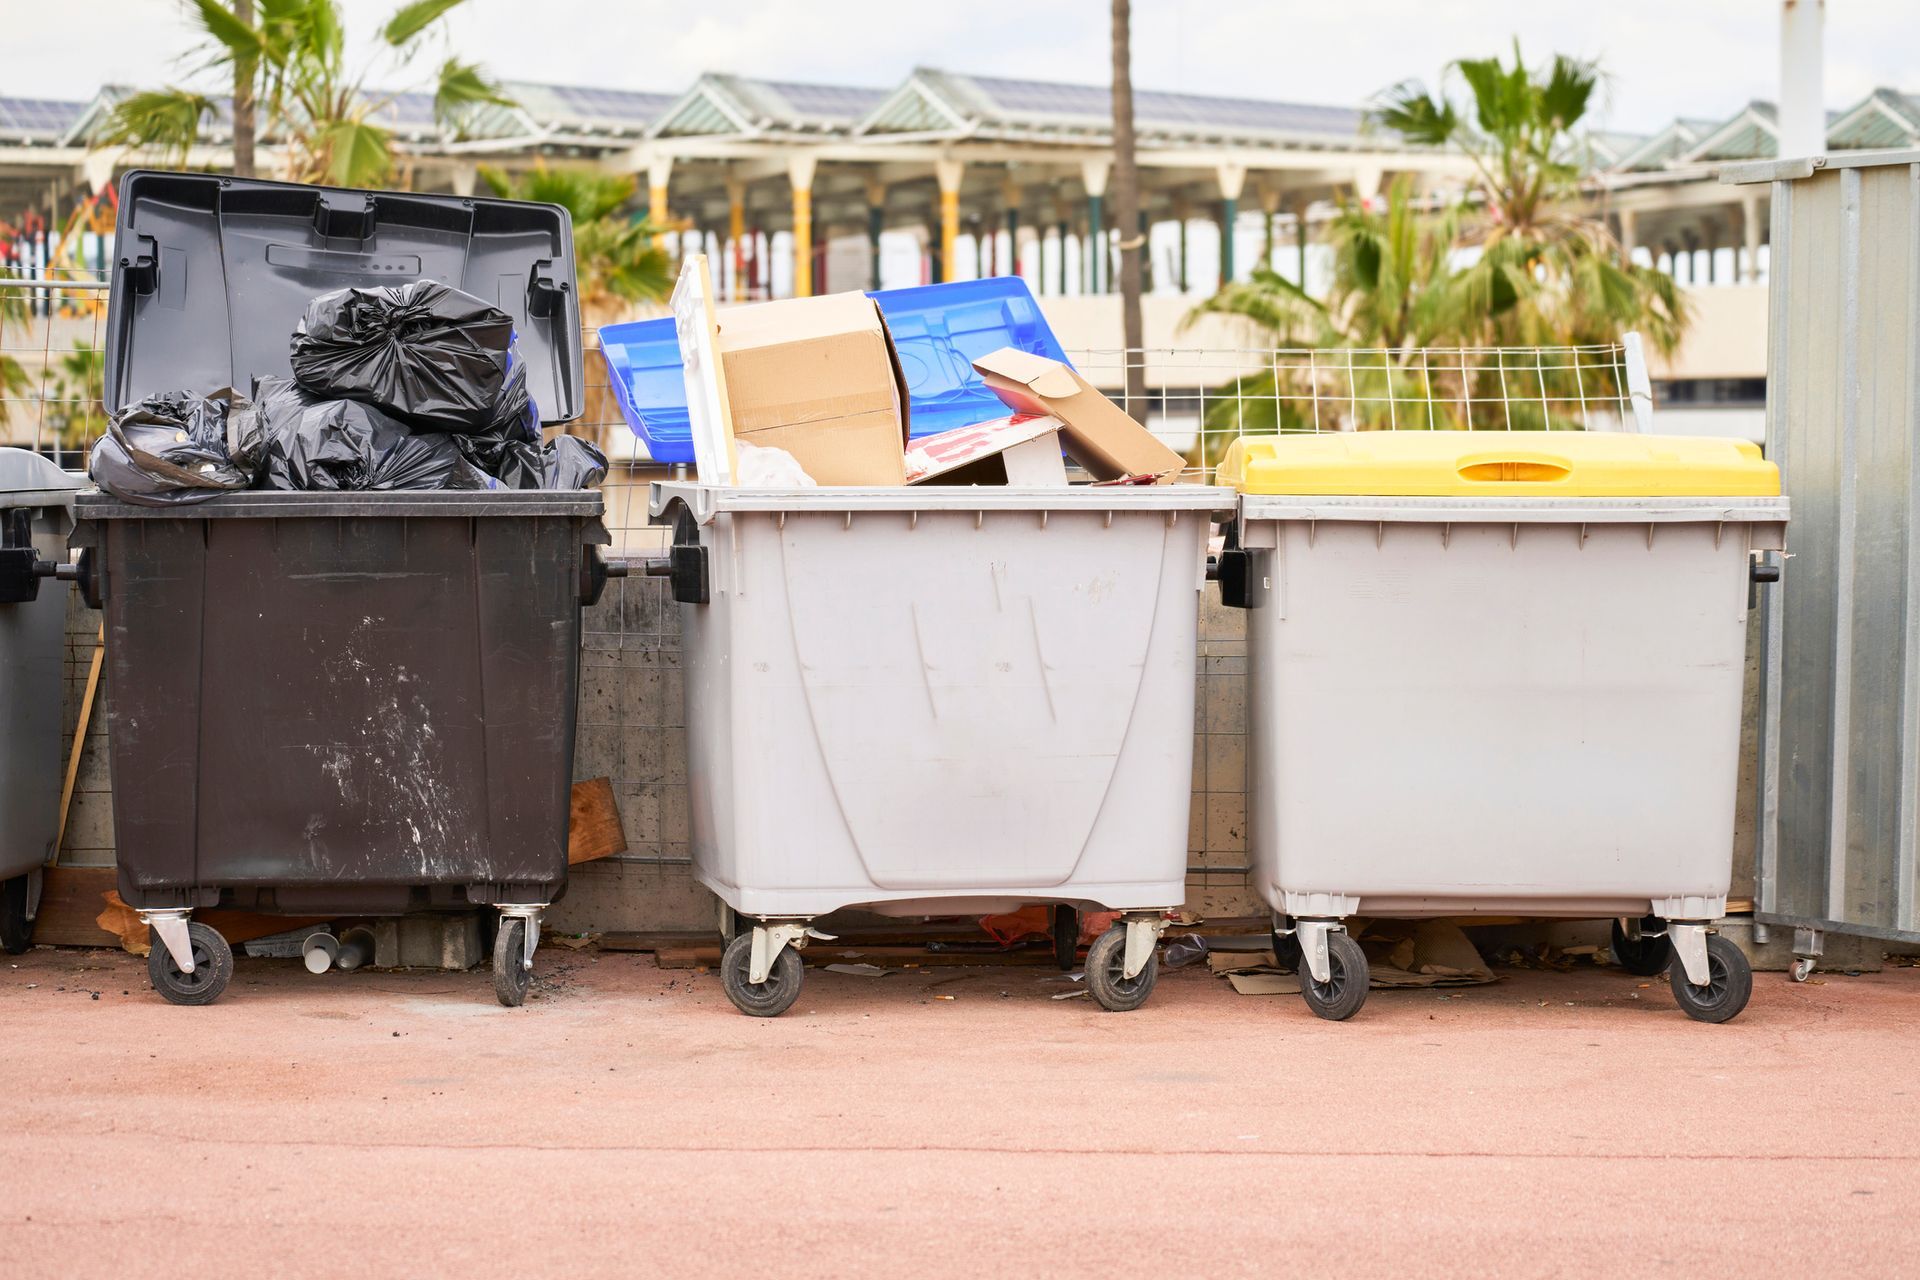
(859, 970)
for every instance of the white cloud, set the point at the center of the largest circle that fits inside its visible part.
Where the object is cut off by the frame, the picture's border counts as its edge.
(1698, 57)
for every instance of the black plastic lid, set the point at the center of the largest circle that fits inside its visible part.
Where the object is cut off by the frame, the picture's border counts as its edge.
(213, 273)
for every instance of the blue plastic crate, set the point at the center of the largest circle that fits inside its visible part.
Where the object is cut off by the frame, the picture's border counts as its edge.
(940, 329)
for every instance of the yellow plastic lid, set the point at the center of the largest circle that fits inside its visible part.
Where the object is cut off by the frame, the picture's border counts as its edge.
(1494, 464)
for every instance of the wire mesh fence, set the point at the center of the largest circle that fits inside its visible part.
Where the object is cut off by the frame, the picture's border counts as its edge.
(52, 363)
(1199, 401)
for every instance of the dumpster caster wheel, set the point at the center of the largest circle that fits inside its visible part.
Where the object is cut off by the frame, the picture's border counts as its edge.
(1345, 990)
(1066, 936)
(767, 999)
(212, 967)
(16, 931)
(1729, 983)
(730, 925)
(1801, 969)
(1647, 956)
(1106, 973)
(1286, 951)
(511, 977)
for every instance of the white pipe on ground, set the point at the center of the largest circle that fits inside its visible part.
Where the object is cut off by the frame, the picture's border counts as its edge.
(1802, 115)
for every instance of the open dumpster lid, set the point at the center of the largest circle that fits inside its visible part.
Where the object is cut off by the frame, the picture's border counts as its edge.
(212, 274)
(1497, 464)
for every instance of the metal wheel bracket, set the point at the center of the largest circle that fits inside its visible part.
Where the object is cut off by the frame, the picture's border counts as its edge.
(36, 885)
(769, 940)
(1690, 944)
(170, 926)
(1313, 946)
(1811, 943)
(1143, 935)
(530, 936)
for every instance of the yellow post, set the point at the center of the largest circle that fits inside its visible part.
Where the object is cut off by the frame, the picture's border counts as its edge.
(948, 173)
(736, 233)
(800, 176)
(659, 170)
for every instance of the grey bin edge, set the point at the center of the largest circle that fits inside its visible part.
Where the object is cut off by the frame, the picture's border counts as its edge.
(32, 667)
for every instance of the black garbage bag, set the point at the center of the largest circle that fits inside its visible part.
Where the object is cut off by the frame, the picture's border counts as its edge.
(311, 443)
(509, 448)
(177, 447)
(573, 463)
(432, 356)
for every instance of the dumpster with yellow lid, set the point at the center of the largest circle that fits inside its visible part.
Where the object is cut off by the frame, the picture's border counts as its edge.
(1499, 673)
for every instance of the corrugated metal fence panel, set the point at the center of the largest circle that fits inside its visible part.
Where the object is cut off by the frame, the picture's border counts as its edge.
(1841, 782)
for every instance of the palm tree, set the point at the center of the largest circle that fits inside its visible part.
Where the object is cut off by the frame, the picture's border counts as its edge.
(1126, 208)
(615, 254)
(1393, 277)
(294, 58)
(1545, 273)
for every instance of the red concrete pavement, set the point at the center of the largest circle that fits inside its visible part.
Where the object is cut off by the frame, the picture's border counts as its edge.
(628, 1122)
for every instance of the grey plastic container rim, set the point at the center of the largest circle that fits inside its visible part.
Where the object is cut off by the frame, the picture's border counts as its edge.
(1515, 510)
(707, 501)
(291, 504)
(28, 479)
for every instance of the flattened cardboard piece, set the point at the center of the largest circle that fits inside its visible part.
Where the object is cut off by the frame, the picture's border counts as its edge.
(709, 415)
(819, 378)
(1099, 434)
(1432, 953)
(1019, 450)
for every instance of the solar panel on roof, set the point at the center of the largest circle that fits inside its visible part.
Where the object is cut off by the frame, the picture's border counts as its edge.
(38, 115)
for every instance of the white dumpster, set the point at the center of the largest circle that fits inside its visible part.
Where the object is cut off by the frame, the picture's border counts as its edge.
(1499, 673)
(938, 701)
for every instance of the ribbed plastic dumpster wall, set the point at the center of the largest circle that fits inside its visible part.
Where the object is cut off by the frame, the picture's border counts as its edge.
(1840, 783)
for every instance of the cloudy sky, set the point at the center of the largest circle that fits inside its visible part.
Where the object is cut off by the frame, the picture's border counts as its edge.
(1664, 57)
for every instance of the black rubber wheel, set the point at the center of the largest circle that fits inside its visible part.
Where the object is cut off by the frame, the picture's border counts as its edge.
(511, 977)
(212, 967)
(1106, 969)
(1345, 990)
(16, 931)
(1286, 950)
(1729, 983)
(767, 999)
(1066, 936)
(1643, 957)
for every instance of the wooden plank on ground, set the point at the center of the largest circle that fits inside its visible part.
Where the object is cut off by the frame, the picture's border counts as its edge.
(70, 899)
(593, 828)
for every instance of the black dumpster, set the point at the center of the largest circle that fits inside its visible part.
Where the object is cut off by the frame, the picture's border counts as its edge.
(332, 703)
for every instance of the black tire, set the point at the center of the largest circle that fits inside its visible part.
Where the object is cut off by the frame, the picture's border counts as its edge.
(1729, 983)
(1106, 969)
(1345, 990)
(212, 967)
(16, 931)
(1286, 950)
(1643, 957)
(768, 999)
(511, 977)
(1066, 937)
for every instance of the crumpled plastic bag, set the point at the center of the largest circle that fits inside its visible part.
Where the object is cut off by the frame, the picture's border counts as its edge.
(573, 463)
(509, 448)
(312, 443)
(765, 467)
(176, 447)
(432, 356)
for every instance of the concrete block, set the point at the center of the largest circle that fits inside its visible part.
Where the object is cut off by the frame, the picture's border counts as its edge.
(427, 942)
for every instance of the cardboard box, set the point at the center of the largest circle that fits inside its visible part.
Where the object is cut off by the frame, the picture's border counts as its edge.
(1022, 450)
(818, 377)
(1099, 434)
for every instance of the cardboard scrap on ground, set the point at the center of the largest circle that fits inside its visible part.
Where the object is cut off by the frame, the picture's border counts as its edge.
(593, 823)
(1432, 953)
(1097, 433)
